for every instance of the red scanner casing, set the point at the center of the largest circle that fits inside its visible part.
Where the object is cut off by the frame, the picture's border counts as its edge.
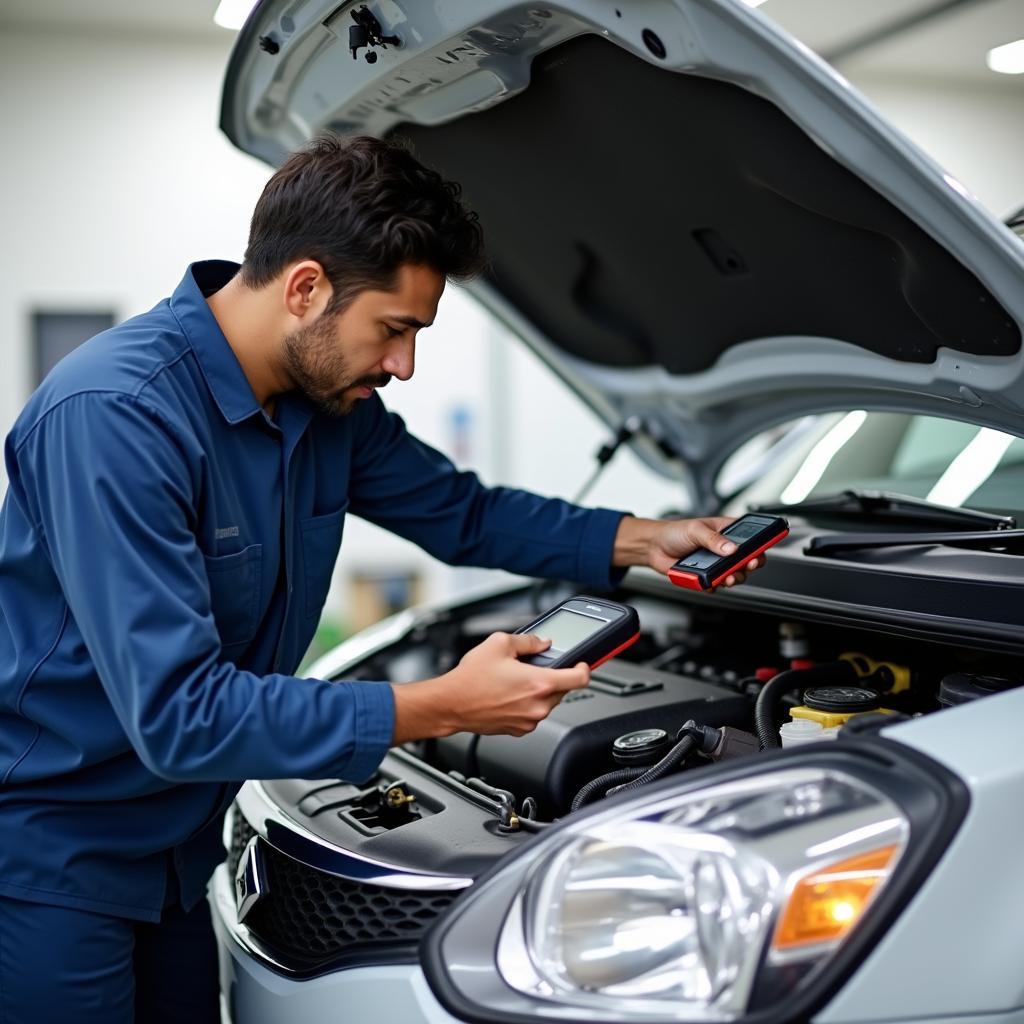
(775, 529)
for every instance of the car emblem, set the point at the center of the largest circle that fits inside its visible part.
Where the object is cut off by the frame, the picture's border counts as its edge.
(250, 879)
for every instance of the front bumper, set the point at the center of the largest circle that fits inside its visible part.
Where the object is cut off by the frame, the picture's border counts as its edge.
(253, 994)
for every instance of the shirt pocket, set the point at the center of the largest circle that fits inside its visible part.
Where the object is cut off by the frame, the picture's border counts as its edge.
(235, 582)
(321, 541)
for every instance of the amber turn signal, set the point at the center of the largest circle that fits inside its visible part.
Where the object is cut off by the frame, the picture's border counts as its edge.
(827, 903)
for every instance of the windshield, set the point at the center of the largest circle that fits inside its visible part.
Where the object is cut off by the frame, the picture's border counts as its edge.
(944, 461)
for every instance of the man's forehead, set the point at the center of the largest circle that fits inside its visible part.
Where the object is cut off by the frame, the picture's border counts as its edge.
(413, 300)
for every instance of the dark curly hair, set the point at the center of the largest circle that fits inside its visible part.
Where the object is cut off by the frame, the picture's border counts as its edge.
(360, 207)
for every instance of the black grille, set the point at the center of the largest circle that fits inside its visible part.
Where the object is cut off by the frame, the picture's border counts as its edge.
(313, 917)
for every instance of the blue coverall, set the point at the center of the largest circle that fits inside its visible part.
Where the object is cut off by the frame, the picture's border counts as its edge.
(165, 552)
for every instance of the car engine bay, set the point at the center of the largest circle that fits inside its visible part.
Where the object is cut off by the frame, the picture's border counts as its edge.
(706, 681)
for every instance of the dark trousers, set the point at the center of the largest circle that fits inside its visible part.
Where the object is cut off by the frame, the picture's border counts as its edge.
(60, 966)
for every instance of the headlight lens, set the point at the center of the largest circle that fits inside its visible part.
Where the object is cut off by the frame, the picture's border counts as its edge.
(646, 911)
(705, 905)
(671, 913)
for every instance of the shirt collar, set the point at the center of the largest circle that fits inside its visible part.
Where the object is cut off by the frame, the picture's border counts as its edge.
(224, 375)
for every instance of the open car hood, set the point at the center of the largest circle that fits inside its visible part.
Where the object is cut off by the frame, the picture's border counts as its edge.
(691, 218)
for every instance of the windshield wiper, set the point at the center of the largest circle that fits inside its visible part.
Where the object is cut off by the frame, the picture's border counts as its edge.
(1009, 541)
(900, 507)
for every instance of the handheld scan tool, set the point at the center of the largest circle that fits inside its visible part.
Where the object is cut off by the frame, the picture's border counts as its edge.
(586, 629)
(751, 534)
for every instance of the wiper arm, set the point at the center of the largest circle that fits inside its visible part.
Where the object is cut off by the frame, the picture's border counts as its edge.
(1009, 541)
(885, 505)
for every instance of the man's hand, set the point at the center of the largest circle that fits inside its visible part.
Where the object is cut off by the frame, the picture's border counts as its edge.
(661, 543)
(490, 691)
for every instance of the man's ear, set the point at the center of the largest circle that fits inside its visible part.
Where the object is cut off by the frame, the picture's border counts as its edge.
(307, 291)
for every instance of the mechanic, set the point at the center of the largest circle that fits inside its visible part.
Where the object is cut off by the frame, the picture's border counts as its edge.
(177, 491)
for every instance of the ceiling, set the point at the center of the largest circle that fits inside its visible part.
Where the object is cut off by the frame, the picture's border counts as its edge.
(926, 38)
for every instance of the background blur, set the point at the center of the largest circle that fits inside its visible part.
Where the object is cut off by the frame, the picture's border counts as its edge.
(115, 177)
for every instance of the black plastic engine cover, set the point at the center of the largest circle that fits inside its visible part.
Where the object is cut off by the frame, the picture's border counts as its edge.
(454, 831)
(574, 743)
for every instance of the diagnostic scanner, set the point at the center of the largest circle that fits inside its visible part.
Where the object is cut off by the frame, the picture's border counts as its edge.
(752, 534)
(586, 629)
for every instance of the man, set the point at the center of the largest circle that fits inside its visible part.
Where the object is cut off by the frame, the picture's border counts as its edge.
(178, 488)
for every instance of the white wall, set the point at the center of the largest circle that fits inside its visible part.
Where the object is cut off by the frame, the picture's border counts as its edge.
(114, 179)
(975, 132)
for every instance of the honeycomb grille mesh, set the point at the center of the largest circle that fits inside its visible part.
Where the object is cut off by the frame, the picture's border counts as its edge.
(311, 916)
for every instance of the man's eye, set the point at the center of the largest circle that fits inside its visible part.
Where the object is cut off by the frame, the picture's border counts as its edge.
(393, 332)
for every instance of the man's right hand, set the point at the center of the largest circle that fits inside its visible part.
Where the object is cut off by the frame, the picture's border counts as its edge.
(489, 691)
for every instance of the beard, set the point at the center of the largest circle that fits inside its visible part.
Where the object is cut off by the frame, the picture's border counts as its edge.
(321, 372)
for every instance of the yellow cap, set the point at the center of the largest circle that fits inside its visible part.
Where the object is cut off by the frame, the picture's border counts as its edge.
(830, 719)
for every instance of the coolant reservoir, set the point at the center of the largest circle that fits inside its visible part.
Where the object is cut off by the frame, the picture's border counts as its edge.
(802, 730)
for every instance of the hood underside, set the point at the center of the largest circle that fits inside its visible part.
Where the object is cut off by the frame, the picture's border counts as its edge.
(689, 217)
(659, 220)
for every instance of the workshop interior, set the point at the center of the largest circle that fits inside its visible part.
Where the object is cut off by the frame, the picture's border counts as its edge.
(762, 261)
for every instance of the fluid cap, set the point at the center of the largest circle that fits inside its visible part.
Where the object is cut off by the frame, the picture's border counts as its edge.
(645, 746)
(844, 700)
(960, 687)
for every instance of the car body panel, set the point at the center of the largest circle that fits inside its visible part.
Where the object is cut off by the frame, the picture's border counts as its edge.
(953, 954)
(971, 954)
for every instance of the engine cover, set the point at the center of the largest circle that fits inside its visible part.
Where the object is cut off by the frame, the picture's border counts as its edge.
(574, 743)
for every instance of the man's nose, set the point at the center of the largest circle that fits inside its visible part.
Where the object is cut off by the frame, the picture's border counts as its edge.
(400, 361)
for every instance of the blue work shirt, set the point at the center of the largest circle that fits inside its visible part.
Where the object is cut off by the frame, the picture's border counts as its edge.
(165, 552)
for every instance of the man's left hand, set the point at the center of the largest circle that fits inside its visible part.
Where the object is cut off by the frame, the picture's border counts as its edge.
(661, 543)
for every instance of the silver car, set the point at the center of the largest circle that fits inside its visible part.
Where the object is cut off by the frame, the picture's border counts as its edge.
(728, 254)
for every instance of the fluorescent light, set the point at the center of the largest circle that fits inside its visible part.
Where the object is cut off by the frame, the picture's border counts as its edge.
(232, 13)
(754, 3)
(971, 468)
(1007, 59)
(818, 458)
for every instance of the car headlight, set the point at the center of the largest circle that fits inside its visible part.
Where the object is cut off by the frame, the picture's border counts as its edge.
(695, 903)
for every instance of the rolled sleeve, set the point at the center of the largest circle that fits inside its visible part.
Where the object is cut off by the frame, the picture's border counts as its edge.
(596, 546)
(374, 716)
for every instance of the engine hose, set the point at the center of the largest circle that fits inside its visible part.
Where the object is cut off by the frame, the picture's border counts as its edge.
(601, 783)
(771, 694)
(672, 760)
(529, 825)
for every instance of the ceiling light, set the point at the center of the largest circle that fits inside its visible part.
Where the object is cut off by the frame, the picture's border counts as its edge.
(971, 468)
(819, 457)
(232, 13)
(754, 3)
(1007, 59)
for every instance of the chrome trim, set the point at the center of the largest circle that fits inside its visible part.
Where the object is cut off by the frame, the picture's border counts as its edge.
(365, 643)
(224, 899)
(298, 842)
(250, 878)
